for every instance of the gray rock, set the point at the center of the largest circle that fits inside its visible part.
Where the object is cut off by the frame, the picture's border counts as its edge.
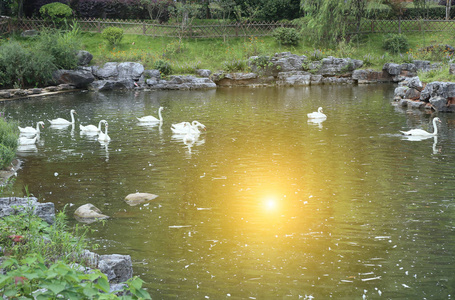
(108, 71)
(106, 85)
(331, 66)
(415, 83)
(280, 62)
(392, 68)
(79, 78)
(434, 89)
(152, 74)
(118, 268)
(29, 33)
(130, 70)
(295, 78)
(14, 205)
(439, 103)
(83, 58)
(452, 69)
(203, 72)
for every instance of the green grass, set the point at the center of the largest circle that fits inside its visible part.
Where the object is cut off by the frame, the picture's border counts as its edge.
(213, 53)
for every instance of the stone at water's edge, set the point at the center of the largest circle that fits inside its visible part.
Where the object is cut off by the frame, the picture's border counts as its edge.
(138, 198)
(14, 205)
(89, 213)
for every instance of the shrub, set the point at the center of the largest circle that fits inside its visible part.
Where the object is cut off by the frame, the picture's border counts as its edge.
(61, 45)
(8, 142)
(395, 43)
(113, 35)
(56, 12)
(163, 66)
(235, 65)
(286, 36)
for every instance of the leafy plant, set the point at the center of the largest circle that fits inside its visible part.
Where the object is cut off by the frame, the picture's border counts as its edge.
(395, 43)
(8, 142)
(163, 66)
(234, 65)
(56, 12)
(113, 35)
(31, 277)
(286, 36)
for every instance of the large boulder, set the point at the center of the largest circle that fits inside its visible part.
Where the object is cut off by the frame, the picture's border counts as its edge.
(363, 76)
(79, 78)
(130, 70)
(83, 58)
(331, 66)
(107, 85)
(181, 83)
(280, 62)
(108, 71)
(118, 268)
(14, 205)
(296, 78)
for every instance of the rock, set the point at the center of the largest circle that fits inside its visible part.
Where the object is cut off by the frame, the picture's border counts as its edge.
(149, 74)
(331, 66)
(412, 94)
(83, 58)
(452, 69)
(106, 85)
(79, 78)
(392, 68)
(118, 268)
(280, 62)
(138, 198)
(108, 71)
(129, 71)
(434, 89)
(14, 205)
(439, 103)
(203, 72)
(88, 213)
(295, 78)
(5, 95)
(415, 83)
(181, 83)
(29, 33)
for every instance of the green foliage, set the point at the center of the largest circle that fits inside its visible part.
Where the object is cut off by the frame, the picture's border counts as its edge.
(441, 74)
(395, 43)
(438, 52)
(113, 35)
(9, 134)
(253, 47)
(163, 66)
(286, 36)
(316, 55)
(56, 12)
(186, 67)
(31, 277)
(235, 65)
(174, 48)
(61, 45)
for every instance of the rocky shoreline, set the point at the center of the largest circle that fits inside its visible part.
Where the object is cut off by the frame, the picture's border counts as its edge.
(282, 69)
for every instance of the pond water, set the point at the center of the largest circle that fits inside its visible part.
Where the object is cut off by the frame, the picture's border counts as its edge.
(265, 205)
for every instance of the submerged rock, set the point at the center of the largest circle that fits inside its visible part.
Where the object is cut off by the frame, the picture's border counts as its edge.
(88, 213)
(138, 198)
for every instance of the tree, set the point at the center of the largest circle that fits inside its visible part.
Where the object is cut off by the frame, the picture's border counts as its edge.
(398, 8)
(184, 14)
(326, 21)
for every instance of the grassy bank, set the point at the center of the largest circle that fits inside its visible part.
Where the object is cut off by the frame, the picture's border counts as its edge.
(216, 54)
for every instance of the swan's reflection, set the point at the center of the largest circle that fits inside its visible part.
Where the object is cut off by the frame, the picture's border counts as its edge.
(316, 122)
(105, 144)
(27, 148)
(436, 150)
(416, 138)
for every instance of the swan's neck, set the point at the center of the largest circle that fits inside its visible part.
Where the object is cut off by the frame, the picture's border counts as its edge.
(105, 131)
(99, 126)
(37, 127)
(72, 117)
(159, 115)
(435, 127)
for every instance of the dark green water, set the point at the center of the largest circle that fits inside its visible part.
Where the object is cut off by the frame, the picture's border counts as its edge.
(265, 205)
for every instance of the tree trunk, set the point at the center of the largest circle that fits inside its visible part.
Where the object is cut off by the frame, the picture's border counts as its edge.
(448, 6)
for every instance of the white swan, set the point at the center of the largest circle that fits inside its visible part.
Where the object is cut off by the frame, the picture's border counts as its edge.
(102, 136)
(28, 141)
(61, 121)
(421, 132)
(182, 128)
(317, 115)
(190, 136)
(152, 119)
(30, 130)
(92, 128)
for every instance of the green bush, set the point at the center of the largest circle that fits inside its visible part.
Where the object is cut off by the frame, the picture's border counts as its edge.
(32, 278)
(8, 142)
(163, 66)
(235, 65)
(113, 35)
(56, 12)
(61, 45)
(286, 36)
(395, 43)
